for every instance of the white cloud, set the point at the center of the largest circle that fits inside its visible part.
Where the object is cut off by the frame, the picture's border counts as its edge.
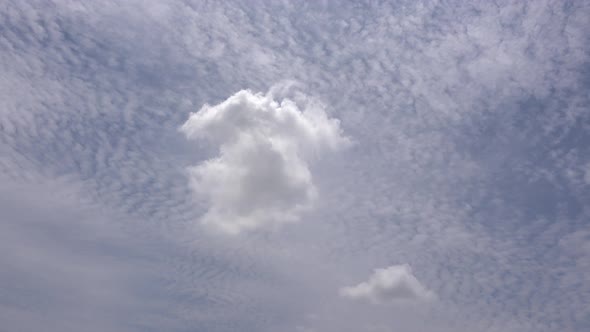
(261, 176)
(389, 284)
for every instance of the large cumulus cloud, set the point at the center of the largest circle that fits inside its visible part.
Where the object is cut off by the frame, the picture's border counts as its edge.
(261, 176)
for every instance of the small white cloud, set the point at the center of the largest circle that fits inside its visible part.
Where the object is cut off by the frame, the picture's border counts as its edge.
(261, 175)
(389, 284)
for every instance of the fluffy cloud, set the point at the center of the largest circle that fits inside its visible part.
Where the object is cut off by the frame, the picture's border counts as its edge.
(389, 284)
(261, 176)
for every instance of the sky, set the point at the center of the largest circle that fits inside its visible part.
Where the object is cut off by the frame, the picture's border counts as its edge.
(294, 166)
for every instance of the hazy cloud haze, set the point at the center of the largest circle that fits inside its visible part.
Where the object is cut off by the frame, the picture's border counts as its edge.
(323, 166)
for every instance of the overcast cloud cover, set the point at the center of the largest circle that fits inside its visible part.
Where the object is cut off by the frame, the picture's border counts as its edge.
(325, 166)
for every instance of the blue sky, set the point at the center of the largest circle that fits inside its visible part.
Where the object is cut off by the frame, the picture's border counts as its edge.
(294, 166)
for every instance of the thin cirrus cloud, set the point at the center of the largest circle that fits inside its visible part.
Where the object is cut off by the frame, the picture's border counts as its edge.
(261, 176)
(393, 283)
